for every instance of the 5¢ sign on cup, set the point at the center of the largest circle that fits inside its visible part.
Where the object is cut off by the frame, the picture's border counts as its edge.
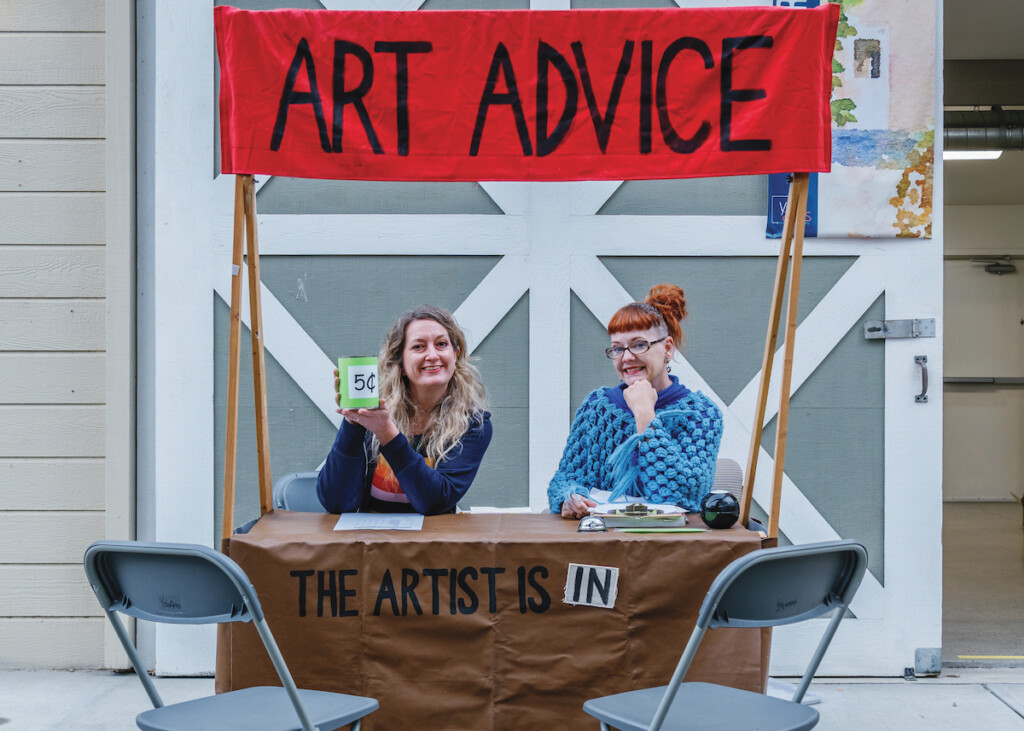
(358, 383)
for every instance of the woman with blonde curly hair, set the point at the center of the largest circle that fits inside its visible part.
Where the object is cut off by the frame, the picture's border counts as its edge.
(420, 450)
(648, 437)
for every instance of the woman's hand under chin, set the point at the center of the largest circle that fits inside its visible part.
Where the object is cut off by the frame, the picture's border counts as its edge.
(640, 398)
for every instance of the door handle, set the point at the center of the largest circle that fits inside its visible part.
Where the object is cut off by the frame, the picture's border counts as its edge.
(922, 360)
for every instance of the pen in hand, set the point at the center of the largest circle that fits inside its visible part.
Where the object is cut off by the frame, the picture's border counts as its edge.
(576, 506)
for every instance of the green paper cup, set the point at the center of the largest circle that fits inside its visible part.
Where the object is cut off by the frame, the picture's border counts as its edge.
(358, 382)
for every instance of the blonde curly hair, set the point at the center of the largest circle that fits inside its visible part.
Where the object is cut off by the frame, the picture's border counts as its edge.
(462, 404)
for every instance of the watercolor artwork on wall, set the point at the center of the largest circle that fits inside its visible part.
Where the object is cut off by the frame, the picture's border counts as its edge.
(883, 123)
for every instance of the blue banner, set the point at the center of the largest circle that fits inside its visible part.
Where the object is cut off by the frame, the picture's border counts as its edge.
(778, 194)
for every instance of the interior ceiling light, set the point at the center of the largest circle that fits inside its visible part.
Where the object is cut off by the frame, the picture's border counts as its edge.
(971, 154)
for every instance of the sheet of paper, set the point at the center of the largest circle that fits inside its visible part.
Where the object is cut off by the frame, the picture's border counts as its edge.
(479, 509)
(604, 507)
(662, 530)
(592, 586)
(379, 521)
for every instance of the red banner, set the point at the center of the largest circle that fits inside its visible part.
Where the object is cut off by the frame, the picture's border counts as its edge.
(525, 95)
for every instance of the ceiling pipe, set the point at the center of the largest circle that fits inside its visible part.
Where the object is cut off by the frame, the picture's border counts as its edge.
(998, 129)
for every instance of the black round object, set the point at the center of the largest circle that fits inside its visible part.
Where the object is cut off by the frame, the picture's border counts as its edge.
(720, 509)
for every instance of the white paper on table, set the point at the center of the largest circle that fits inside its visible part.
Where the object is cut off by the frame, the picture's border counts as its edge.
(605, 507)
(379, 521)
(485, 509)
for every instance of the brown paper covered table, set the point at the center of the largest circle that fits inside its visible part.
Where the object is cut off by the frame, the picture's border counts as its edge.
(463, 626)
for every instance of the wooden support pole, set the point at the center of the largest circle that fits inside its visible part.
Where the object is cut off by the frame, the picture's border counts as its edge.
(800, 182)
(796, 200)
(256, 329)
(234, 359)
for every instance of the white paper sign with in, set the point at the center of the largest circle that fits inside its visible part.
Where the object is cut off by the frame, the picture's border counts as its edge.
(591, 586)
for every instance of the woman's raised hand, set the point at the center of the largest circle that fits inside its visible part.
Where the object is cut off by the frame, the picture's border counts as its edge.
(640, 395)
(376, 420)
(641, 398)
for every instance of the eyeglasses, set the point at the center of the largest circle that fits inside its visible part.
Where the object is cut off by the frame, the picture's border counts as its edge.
(640, 346)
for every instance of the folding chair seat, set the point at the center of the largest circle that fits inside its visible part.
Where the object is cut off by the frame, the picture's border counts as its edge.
(766, 588)
(189, 584)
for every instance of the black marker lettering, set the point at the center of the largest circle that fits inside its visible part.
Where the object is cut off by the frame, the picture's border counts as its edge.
(387, 591)
(409, 581)
(344, 593)
(646, 65)
(492, 593)
(594, 582)
(603, 125)
(500, 62)
(289, 97)
(470, 606)
(402, 49)
(545, 599)
(352, 96)
(672, 138)
(301, 576)
(330, 591)
(730, 95)
(546, 55)
(434, 575)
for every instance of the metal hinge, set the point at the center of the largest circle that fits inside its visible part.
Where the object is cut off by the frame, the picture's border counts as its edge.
(882, 329)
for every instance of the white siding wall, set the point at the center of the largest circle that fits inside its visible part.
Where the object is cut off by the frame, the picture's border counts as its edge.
(53, 328)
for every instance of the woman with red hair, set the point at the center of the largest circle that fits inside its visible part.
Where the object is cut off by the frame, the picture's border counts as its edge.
(649, 437)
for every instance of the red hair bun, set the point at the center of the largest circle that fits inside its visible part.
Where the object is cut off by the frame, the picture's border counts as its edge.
(671, 303)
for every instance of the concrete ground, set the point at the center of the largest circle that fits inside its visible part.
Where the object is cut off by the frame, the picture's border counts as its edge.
(960, 700)
(982, 585)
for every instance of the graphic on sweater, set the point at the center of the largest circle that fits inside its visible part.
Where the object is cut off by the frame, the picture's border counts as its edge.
(385, 486)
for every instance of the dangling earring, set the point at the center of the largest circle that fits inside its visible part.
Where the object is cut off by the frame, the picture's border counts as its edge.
(668, 368)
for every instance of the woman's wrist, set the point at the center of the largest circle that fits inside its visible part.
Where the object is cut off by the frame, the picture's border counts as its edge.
(388, 433)
(643, 418)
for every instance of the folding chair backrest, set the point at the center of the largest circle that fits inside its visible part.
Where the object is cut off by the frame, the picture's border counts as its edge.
(775, 586)
(784, 585)
(297, 491)
(173, 583)
(178, 583)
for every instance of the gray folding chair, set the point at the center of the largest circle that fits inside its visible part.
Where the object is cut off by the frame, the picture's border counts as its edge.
(188, 584)
(770, 587)
(297, 491)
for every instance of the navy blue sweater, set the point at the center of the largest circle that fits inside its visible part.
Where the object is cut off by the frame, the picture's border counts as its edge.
(344, 482)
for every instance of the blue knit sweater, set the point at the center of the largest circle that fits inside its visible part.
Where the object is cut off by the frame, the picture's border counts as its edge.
(673, 461)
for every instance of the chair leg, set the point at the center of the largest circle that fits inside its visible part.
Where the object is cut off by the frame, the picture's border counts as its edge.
(356, 724)
(605, 726)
